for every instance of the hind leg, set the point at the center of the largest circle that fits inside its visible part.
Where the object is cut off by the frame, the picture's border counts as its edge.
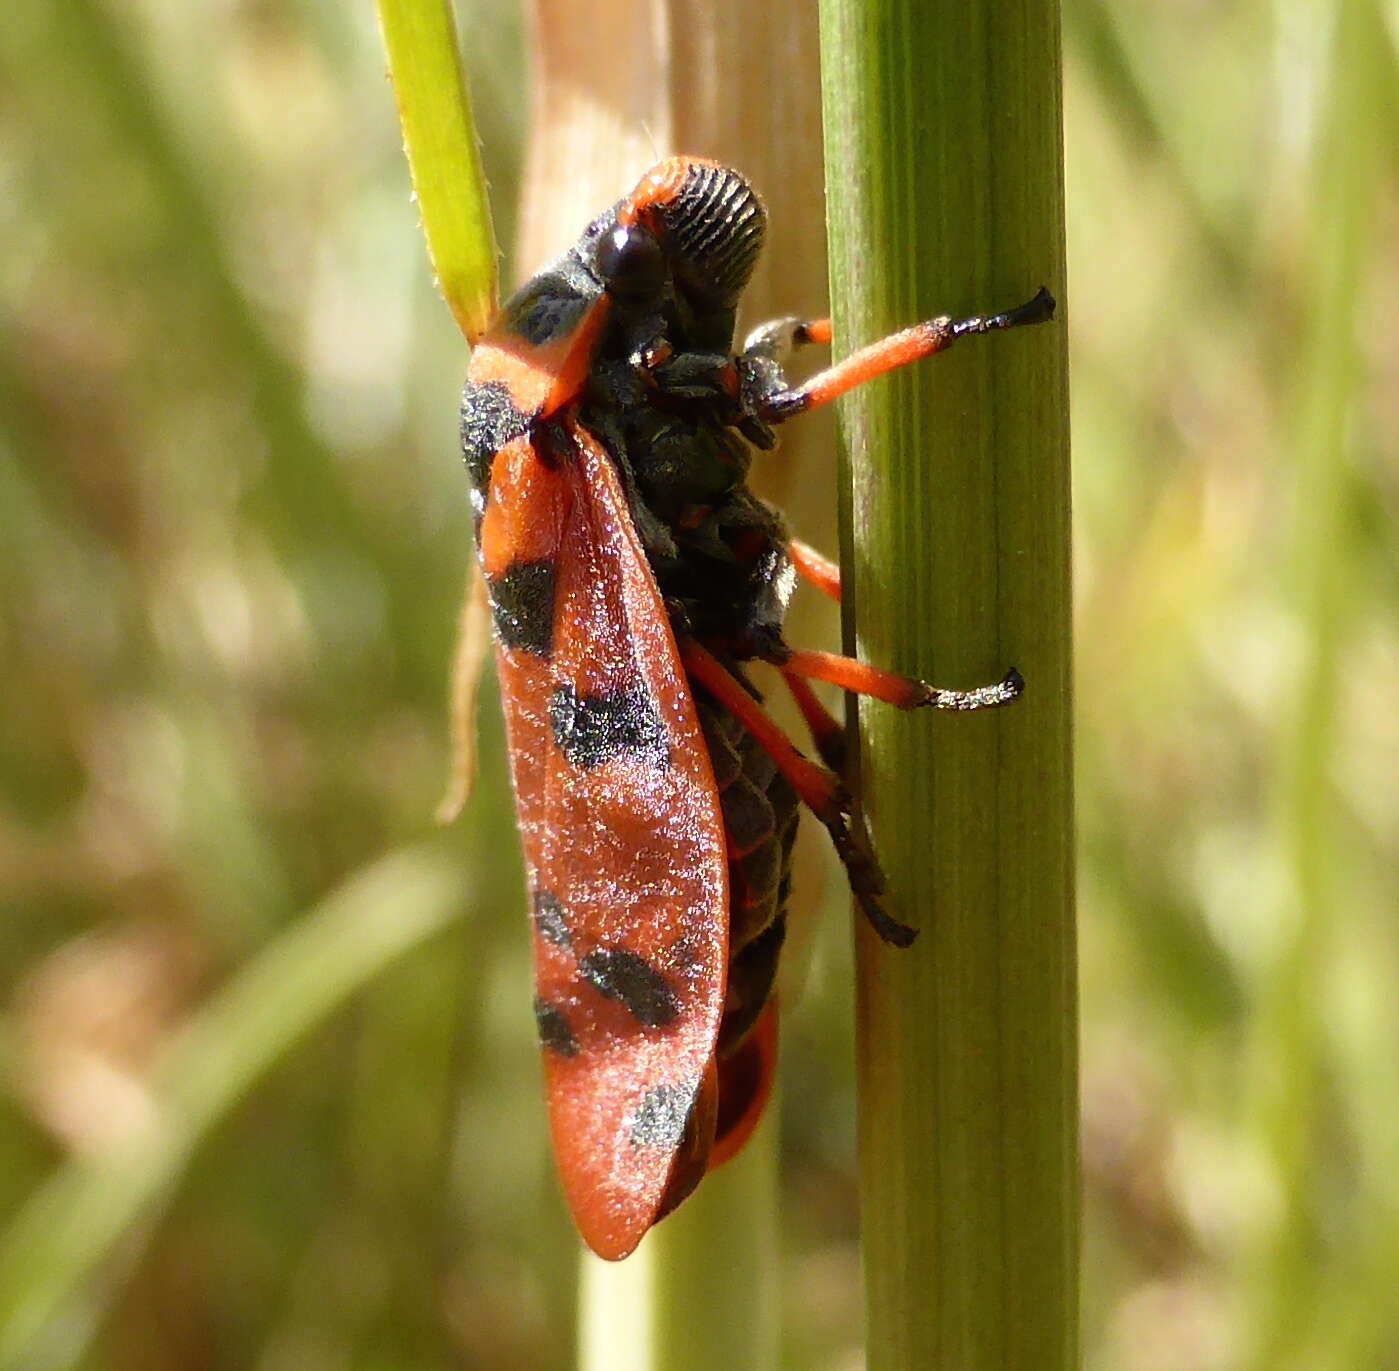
(818, 788)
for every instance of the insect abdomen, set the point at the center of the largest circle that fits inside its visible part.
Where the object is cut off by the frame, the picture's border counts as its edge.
(760, 825)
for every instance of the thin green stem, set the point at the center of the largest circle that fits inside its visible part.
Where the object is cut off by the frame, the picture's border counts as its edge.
(945, 196)
(444, 158)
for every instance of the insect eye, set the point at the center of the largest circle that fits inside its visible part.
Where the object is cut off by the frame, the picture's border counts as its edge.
(630, 261)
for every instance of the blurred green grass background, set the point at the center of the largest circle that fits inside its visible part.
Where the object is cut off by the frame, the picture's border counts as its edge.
(232, 540)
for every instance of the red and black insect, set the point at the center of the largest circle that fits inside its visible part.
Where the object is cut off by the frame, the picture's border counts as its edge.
(608, 428)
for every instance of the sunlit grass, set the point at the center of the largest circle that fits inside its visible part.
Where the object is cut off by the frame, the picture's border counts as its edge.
(71, 1231)
(232, 536)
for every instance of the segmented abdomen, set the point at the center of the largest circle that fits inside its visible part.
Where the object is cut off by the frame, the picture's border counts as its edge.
(760, 824)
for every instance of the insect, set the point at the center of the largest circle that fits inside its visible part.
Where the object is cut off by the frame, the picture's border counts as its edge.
(608, 426)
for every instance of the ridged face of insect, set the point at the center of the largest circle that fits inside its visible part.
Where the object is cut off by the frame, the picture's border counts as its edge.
(713, 226)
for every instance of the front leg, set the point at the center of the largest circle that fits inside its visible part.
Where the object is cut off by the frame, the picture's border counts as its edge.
(761, 373)
(770, 398)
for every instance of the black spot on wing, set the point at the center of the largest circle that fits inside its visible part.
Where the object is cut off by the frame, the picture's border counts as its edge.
(549, 919)
(489, 420)
(634, 983)
(554, 1032)
(545, 309)
(593, 729)
(661, 1116)
(522, 604)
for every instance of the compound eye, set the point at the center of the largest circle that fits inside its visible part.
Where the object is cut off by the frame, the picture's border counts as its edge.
(630, 262)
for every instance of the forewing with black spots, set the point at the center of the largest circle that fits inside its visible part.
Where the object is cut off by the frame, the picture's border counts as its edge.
(622, 829)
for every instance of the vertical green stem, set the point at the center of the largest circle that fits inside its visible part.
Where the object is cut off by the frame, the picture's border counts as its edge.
(944, 172)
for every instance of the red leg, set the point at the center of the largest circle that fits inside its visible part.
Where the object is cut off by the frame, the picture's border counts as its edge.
(922, 340)
(775, 339)
(826, 731)
(903, 691)
(820, 790)
(816, 568)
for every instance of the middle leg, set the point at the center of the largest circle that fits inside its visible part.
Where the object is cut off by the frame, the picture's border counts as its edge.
(819, 789)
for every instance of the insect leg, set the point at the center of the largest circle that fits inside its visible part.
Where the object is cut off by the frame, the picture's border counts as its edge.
(904, 691)
(826, 730)
(759, 374)
(817, 788)
(816, 568)
(776, 339)
(775, 401)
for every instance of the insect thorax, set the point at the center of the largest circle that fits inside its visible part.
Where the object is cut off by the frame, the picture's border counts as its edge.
(718, 551)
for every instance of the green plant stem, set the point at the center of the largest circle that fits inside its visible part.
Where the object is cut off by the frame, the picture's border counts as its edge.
(444, 159)
(945, 196)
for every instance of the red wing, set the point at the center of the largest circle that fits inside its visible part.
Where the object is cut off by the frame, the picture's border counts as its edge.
(623, 835)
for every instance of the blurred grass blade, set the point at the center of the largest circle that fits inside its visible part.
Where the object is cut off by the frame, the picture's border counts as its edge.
(468, 661)
(444, 159)
(1291, 1068)
(945, 186)
(54, 1254)
(1095, 28)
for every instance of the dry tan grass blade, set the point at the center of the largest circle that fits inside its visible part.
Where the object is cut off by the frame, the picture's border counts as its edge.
(473, 642)
(619, 84)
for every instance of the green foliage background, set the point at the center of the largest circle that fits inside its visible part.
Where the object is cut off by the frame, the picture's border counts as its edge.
(232, 537)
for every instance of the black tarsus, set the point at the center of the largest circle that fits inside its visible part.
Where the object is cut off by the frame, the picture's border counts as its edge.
(867, 881)
(1004, 692)
(1040, 310)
